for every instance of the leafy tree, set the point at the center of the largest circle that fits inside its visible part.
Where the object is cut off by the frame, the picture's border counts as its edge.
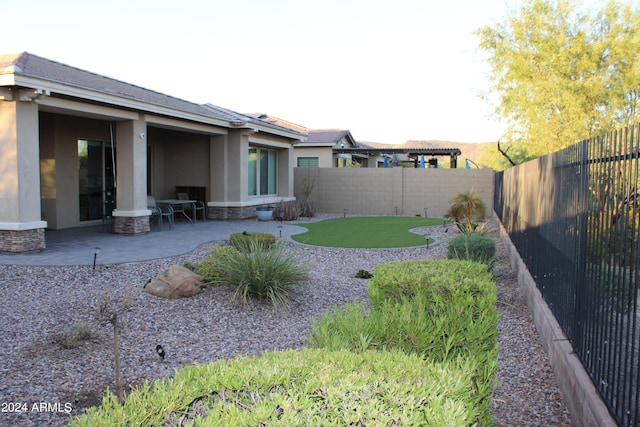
(563, 74)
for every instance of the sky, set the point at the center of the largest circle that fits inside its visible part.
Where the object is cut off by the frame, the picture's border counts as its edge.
(389, 71)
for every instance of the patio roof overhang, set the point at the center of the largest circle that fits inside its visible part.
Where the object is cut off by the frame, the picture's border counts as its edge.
(453, 152)
(414, 153)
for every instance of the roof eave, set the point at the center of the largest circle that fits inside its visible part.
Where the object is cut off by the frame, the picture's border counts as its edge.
(316, 144)
(101, 97)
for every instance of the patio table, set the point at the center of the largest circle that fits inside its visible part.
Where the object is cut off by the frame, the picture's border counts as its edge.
(178, 202)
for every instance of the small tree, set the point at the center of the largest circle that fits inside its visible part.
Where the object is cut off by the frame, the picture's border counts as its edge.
(562, 73)
(466, 209)
(307, 205)
(110, 312)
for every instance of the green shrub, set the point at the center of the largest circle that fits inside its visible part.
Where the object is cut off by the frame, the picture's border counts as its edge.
(242, 241)
(403, 279)
(442, 310)
(208, 267)
(309, 387)
(474, 247)
(257, 272)
(438, 309)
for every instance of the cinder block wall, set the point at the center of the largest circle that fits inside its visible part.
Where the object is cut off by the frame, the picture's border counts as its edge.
(387, 191)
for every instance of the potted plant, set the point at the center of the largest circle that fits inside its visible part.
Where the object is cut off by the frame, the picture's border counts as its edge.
(265, 213)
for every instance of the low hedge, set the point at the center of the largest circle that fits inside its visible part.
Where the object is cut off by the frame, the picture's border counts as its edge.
(441, 310)
(309, 387)
(449, 279)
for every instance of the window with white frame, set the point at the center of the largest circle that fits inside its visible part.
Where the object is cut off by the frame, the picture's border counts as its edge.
(263, 170)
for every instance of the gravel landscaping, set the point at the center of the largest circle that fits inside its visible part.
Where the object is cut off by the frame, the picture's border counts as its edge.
(43, 304)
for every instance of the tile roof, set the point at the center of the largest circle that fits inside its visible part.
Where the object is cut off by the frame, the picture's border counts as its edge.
(29, 65)
(278, 121)
(326, 135)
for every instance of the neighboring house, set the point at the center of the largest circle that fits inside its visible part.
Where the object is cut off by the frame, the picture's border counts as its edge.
(319, 149)
(374, 160)
(77, 147)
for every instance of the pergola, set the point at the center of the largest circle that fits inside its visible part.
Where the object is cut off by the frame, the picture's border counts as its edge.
(413, 153)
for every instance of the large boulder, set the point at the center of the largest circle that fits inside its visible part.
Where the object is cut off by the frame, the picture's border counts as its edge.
(176, 282)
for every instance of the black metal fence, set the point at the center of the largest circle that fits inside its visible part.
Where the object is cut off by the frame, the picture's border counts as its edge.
(574, 217)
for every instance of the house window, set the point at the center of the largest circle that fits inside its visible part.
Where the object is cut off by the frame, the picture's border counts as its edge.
(308, 162)
(263, 169)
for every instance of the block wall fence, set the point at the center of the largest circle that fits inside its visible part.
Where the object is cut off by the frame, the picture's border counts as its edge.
(391, 191)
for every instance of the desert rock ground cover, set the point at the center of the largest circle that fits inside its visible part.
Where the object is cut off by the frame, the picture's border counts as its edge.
(40, 303)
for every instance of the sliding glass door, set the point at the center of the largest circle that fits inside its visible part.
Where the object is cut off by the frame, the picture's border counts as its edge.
(96, 175)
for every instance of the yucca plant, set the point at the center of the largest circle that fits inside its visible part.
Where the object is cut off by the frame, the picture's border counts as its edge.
(258, 272)
(466, 209)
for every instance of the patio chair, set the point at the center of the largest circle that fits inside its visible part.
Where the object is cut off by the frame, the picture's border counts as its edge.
(159, 211)
(199, 206)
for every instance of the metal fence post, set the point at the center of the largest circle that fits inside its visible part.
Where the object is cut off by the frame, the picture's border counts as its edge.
(581, 245)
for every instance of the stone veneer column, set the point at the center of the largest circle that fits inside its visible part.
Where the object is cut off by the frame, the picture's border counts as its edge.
(131, 215)
(21, 227)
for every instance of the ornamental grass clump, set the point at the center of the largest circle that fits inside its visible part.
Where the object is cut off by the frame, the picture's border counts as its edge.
(242, 241)
(256, 272)
(208, 268)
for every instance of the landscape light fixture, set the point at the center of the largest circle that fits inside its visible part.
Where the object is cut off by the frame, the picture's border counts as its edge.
(96, 251)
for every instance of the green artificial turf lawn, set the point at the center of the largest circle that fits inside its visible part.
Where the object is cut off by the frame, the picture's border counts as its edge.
(366, 232)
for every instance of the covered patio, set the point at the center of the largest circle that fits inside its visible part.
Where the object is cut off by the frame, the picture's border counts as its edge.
(416, 154)
(77, 148)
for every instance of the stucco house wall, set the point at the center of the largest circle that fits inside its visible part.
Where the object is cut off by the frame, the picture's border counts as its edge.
(160, 142)
(59, 135)
(324, 154)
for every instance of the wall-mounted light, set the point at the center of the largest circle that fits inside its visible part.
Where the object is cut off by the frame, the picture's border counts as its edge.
(32, 94)
(141, 135)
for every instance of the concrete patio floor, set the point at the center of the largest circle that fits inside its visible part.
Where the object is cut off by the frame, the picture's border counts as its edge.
(77, 246)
